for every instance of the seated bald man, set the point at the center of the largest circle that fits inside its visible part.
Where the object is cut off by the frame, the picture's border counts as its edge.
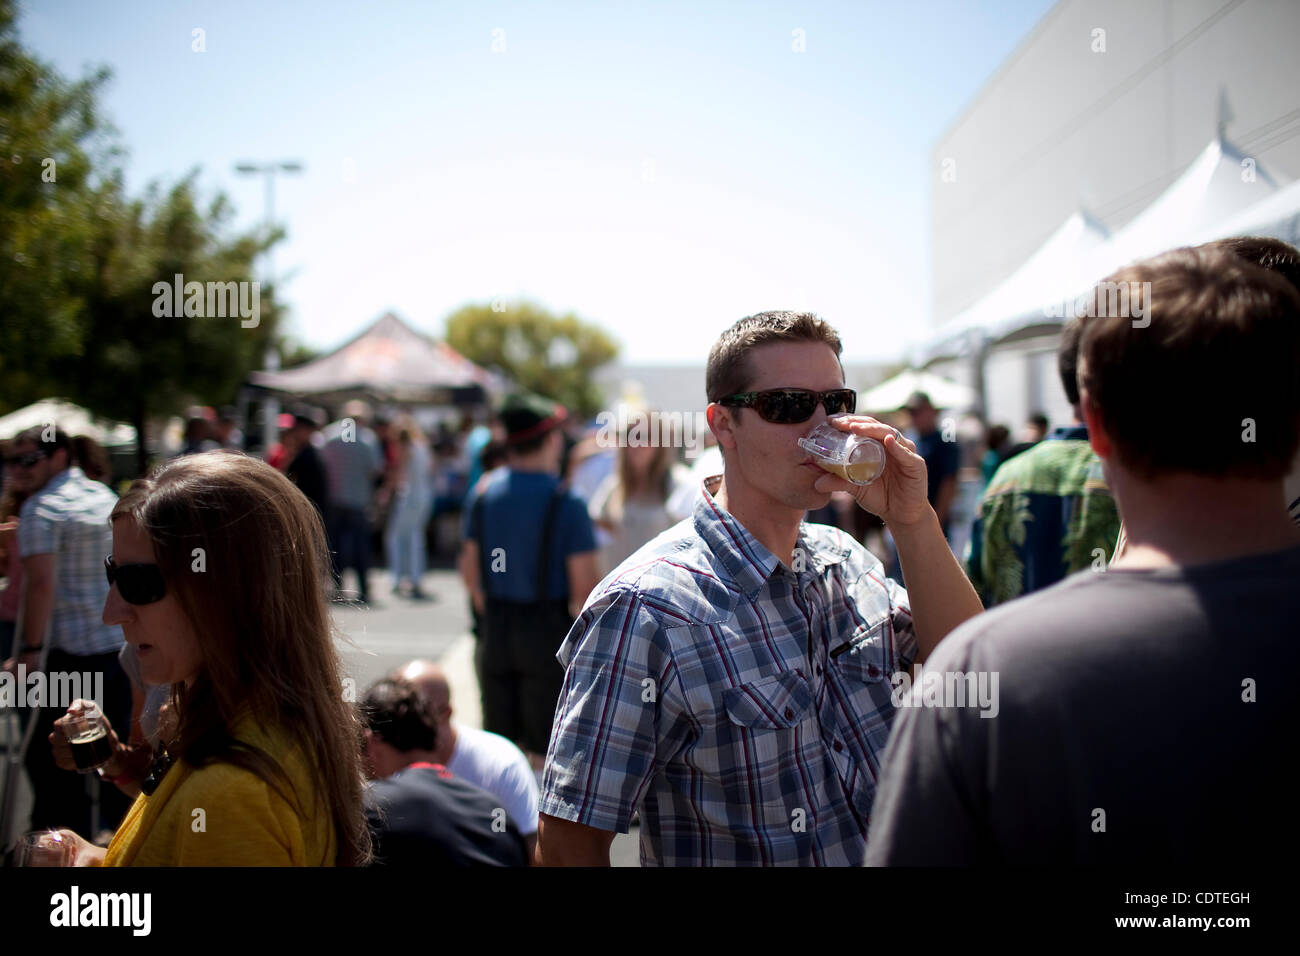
(485, 759)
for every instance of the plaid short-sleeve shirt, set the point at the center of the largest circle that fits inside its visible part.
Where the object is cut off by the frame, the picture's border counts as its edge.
(740, 705)
(68, 518)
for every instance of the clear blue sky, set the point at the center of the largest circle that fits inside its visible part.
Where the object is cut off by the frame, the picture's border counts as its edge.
(660, 169)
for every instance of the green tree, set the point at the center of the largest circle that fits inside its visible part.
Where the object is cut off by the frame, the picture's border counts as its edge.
(52, 142)
(79, 263)
(555, 356)
(144, 353)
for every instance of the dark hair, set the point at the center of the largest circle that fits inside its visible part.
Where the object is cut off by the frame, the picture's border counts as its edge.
(90, 457)
(728, 370)
(996, 436)
(399, 715)
(1067, 359)
(1216, 353)
(36, 436)
(492, 455)
(1273, 254)
(1039, 420)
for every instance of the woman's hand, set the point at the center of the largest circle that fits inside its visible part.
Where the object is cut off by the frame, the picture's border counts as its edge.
(59, 847)
(62, 749)
(900, 495)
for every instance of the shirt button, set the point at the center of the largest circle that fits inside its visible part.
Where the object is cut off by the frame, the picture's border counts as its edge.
(873, 671)
(789, 714)
(838, 746)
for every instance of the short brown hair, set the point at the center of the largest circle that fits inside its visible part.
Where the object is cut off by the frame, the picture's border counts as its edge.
(1273, 254)
(1217, 357)
(728, 371)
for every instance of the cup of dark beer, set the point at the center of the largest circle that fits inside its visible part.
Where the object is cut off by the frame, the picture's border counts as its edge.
(87, 734)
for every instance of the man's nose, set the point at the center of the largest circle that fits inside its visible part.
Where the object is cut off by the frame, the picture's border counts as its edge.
(116, 611)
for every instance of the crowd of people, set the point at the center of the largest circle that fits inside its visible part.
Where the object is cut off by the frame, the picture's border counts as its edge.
(713, 650)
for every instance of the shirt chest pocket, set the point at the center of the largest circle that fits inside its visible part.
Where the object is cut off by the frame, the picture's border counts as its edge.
(863, 658)
(773, 703)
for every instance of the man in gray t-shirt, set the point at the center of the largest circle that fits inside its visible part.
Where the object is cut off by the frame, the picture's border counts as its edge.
(1141, 714)
(1151, 702)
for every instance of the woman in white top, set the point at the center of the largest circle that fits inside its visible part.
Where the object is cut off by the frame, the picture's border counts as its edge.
(408, 516)
(631, 504)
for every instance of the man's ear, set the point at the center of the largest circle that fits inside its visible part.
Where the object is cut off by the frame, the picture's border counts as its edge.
(722, 422)
(1097, 437)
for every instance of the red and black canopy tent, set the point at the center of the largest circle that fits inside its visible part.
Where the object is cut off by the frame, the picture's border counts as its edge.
(388, 362)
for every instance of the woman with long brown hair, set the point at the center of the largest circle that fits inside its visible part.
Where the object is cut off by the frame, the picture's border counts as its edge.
(220, 574)
(631, 504)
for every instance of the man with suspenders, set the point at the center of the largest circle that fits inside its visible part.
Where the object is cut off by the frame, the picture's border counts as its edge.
(529, 563)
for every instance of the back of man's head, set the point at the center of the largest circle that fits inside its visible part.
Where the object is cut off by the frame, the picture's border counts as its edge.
(1067, 360)
(1207, 381)
(728, 372)
(398, 714)
(430, 680)
(1273, 254)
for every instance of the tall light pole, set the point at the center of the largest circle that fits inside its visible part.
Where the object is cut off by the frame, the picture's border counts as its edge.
(271, 407)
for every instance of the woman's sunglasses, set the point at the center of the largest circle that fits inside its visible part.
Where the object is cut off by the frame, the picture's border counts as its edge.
(25, 461)
(137, 583)
(789, 406)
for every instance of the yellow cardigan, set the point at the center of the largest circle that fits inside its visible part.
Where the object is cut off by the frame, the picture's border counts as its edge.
(223, 815)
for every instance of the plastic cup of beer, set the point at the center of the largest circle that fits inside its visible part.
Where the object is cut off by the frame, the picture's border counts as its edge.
(87, 733)
(854, 458)
(45, 848)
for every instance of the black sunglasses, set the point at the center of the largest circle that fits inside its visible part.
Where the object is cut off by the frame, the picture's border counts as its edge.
(137, 583)
(25, 461)
(789, 406)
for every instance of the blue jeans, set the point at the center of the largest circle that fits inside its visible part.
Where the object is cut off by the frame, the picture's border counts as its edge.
(406, 543)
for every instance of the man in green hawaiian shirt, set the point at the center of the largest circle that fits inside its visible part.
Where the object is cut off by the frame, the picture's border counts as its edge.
(1047, 512)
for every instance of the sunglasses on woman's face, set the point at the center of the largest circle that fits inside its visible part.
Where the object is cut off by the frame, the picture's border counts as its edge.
(789, 406)
(25, 461)
(137, 583)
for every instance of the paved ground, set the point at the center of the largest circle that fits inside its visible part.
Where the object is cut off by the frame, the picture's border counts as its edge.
(393, 630)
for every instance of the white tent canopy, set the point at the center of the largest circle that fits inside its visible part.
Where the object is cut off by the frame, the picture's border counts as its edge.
(1277, 216)
(1026, 289)
(890, 394)
(72, 419)
(1218, 189)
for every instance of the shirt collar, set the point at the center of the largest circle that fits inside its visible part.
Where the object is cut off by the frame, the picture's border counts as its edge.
(749, 563)
(62, 478)
(1069, 433)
